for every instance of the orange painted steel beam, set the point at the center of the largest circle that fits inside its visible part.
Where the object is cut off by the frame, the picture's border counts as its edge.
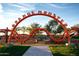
(43, 13)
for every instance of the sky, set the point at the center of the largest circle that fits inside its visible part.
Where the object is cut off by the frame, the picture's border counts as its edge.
(9, 12)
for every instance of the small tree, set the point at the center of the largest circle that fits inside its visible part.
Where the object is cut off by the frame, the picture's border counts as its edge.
(54, 27)
(23, 29)
(51, 25)
(32, 27)
(59, 29)
(18, 28)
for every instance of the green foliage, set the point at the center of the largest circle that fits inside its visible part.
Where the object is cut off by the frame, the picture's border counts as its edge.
(75, 37)
(18, 28)
(34, 26)
(59, 29)
(13, 50)
(28, 29)
(23, 29)
(76, 25)
(48, 28)
(54, 27)
(51, 24)
(64, 51)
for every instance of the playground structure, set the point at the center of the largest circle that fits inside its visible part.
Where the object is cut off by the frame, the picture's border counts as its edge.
(17, 37)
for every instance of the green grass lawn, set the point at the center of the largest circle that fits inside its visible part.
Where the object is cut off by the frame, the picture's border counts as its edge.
(13, 50)
(64, 51)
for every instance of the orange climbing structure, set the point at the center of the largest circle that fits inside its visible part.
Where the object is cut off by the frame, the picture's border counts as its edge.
(19, 38)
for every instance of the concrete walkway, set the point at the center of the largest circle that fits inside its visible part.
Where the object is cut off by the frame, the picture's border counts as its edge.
(38, 51)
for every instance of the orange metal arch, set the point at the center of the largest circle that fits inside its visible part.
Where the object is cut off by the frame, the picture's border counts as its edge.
(47, 32)
(43, 13)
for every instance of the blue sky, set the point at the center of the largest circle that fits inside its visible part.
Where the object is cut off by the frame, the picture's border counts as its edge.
(9, 12)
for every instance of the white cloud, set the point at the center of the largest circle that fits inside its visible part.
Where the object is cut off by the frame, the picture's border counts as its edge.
(7, 21)
(4, 22)
(56, 6)
(1, 16)
(24, 7)
(8, 18)
(1, 10)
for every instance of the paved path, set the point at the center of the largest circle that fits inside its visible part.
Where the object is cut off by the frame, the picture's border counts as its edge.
(38, 51)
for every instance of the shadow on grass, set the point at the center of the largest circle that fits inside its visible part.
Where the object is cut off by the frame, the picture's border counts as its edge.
(76, 51)
(58, 54)
(13, 51)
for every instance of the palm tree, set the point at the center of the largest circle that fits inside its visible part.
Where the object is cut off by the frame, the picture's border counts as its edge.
(33, 26)
(23, 29)
(18, 28)
(28, 29)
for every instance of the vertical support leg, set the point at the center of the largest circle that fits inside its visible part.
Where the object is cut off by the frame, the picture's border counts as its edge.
(6, 35)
